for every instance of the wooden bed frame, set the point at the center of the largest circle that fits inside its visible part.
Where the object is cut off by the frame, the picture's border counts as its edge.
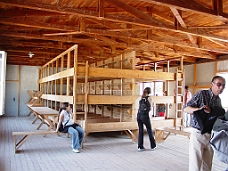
(108, 82)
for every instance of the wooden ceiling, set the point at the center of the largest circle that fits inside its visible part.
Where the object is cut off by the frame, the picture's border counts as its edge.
(158, 30)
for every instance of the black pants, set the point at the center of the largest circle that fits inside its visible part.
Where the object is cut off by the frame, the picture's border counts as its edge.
(145, 120)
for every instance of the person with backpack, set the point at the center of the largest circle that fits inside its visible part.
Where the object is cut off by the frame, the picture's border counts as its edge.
(66, 124)
(144, 119)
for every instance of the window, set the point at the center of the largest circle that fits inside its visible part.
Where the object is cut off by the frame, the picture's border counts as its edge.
(156, 88)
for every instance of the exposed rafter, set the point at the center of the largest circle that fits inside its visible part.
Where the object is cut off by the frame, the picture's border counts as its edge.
(158, 30)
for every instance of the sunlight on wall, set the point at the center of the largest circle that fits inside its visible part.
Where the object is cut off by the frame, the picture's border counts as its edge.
(2, 81)
(224, 95)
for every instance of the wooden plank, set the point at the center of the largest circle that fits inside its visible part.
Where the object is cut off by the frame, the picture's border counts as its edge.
(60, 55)
(162, 123)
(33, 133)
(26, 136)
(112, 126)
(127, 73)
(174, 131)
(112, 99)
(160, 135)
(59, 75)
(59, 98)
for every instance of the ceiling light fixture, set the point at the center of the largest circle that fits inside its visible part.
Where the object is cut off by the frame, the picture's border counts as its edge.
(30, 54)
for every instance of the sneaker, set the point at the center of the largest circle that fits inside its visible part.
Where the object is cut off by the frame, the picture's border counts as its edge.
(152, 149)
(141, 149)
(76, 150)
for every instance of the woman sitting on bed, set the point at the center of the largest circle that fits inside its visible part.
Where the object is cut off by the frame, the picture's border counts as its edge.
(66, 119)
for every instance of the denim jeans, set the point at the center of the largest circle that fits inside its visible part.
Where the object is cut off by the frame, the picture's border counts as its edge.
(145, 120)
(77, 136)
(186, 119)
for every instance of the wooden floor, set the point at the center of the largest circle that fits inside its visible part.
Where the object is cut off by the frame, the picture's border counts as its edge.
(102, 151)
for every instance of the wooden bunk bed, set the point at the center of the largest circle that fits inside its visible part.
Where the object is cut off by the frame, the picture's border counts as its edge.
(105, 90)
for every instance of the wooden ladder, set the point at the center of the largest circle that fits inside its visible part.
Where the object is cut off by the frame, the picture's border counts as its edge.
(179, 96)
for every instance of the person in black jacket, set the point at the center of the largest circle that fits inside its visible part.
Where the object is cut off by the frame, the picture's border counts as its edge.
(143, 118)
(200, 150)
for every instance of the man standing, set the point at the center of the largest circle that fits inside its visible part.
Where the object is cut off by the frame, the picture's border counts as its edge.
(187, 97)
(200, 151)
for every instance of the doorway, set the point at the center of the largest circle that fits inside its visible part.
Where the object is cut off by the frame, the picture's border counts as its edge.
(11, 103)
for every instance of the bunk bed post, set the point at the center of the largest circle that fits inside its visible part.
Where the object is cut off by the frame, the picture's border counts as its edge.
(56, 81)
(51, 85)
(86, 95)
(168, 83)
(134, 132)
(133, 89)
(68, 78)
(75, 83)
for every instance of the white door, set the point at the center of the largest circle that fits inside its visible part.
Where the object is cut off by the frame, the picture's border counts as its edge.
(11, 103)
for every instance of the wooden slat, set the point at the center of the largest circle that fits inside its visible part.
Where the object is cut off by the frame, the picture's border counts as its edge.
(124, 73)
(59, 98)
(59, 75)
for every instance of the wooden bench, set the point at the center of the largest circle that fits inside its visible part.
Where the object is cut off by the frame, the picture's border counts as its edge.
(26, 135)
(160, 135)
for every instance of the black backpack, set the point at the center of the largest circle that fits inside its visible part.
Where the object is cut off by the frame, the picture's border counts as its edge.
(144, 106)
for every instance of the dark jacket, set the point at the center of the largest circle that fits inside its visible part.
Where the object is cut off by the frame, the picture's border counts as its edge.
(207, 120)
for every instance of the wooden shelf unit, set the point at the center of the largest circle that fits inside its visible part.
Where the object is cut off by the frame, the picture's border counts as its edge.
(107, 87)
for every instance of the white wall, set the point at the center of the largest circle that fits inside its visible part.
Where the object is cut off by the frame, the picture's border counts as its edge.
(27, 76)
(205, 72)
(28, 81)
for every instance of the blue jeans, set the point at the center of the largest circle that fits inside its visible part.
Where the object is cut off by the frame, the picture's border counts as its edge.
(186, 119)
(77, 136)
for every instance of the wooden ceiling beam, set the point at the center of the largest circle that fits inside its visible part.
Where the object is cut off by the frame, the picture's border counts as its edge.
(101, 8)
(156, 39)
(37, 25)
(92, 14)
(179, 18)
(26, 12)
(198, 54)
(62, 39)
(131, 10)
(103, 32)
(35, 51)
(188, 5)
(38, 44)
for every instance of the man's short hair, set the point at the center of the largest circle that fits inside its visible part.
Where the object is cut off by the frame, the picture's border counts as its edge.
(217, 77)
(186, 87)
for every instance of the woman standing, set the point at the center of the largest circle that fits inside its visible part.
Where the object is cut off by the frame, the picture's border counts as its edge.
(144, 119)
(66, 119)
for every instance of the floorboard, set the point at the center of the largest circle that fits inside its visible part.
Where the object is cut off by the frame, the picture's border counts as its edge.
(102, 151)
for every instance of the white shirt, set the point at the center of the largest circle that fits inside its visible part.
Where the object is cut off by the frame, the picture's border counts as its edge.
(67, 118)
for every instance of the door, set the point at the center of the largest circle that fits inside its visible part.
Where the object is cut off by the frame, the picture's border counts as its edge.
(11, 105)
